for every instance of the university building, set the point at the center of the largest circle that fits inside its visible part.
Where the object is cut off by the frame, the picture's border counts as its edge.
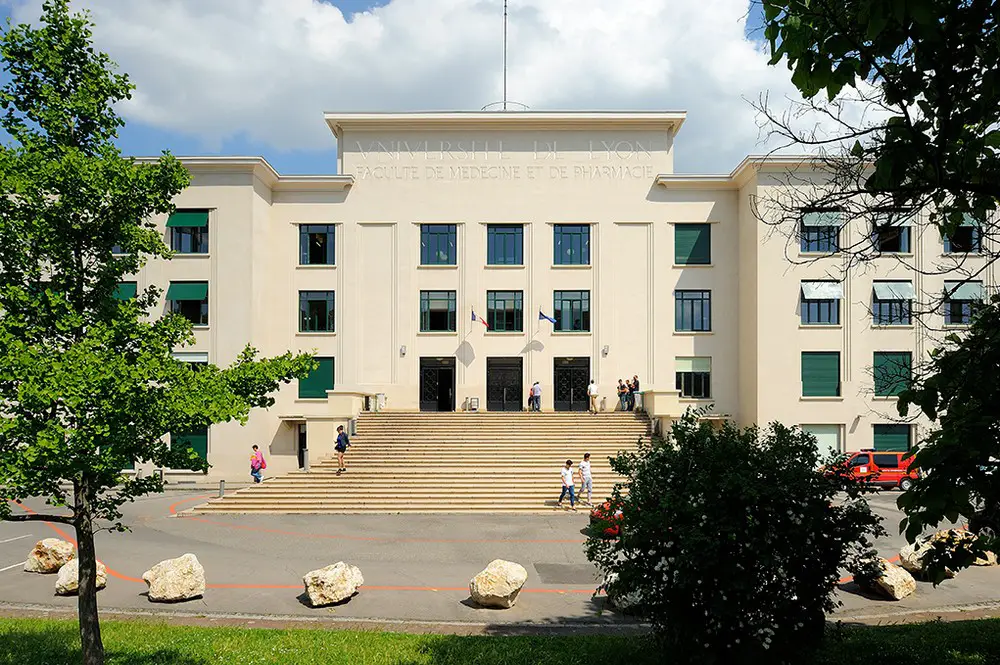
(457, 258)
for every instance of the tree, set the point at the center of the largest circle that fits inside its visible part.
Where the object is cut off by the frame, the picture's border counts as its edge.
(731, 542)
(88, 383)
(960, 459)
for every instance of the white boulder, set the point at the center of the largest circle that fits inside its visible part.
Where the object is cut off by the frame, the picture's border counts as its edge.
(177, 579)
(68, 581)
(332, 584)
(499, 584)
(49, 555)
(894, 582)
(621, 601)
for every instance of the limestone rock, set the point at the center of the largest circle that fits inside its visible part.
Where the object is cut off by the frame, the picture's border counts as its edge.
(332, 584)
(621, 601)
(68, 582)
(49, 555)
(894, 582)
(989, 560)
(499, 584)
(177, 579)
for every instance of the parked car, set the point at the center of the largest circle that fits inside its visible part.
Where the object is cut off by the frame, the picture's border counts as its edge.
(610, 516)
(885, 469)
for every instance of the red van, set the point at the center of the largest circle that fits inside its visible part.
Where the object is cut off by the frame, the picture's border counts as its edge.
(885, 469)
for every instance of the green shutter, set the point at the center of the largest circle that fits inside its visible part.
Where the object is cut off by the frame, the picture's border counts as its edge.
(126, 290)
(198, 218)
(196, 440)
(319, 380)
(187, 291)
(692, 244)
(821, 374)
(891, 438)
(892, 371)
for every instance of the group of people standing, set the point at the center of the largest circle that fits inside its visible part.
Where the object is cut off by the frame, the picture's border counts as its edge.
(627, 390)
(568, 482)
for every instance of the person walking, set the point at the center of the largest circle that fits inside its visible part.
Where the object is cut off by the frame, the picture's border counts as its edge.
(567, 485)
(586, 479)
(622, 395)
(592, 394)
(257, 464)
(343, 443)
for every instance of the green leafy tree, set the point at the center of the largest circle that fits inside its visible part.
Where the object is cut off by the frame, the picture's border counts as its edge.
(731, 542)
(960, 458)
(88, 383)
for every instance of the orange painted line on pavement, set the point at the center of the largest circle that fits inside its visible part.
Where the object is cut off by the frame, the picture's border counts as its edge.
(327, 536)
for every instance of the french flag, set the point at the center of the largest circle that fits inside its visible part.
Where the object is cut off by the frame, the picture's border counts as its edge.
(480, 319)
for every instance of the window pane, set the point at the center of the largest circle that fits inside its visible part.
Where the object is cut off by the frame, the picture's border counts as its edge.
(189, 239)
(819, 238)
(438, 244)
(571, 244)
(437, 311)
(316, 311)
(504, 244)
(572, 310)
(891, 312)
(317, 245)
(892, 239)
(693, 311)
(504, 311)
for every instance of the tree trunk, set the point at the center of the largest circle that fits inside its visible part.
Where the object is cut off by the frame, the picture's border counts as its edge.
(90, 623)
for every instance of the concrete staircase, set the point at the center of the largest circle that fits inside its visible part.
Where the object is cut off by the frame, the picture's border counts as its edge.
(449, 463)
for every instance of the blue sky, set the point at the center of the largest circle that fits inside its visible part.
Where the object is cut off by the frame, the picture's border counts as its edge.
(155, 129)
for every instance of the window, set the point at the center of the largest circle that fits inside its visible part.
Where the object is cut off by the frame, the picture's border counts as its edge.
(891, 303)
(438, 244)
(821, 303)
(190, 300)
(693, 311)
(891, 438)
(860, 460)
(967, 239)
(317, 244)
(891, 239)
(318, 381)
(571, 245)
(505, 311)
(126, 290)
(886, 461)
(819, 231)
(504, 244)
(892, 371)
(195, 439)
(961, 299)
(694, 377)
(572, 311)
(316, 311)
(437, 311)
(821, 374)
(189, 231)
(827, 438)
(692, 244)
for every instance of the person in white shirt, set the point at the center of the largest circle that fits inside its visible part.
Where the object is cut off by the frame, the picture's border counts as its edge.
(567, 485)
(536, 397)
(586, 480)
(592, 393)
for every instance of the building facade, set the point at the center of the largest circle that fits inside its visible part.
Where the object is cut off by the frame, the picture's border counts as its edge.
(457, 258)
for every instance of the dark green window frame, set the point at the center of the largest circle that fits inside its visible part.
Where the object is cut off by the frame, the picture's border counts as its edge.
(190, 300)
(692, 244)
(692, 311)
(505, 311)
(319, 381)
(438, 311)
(571, 245)
(820, 373)
(892, 372)
(317, 311)
(505, 244)
(571, 311)
(317, 244)
(438, 244)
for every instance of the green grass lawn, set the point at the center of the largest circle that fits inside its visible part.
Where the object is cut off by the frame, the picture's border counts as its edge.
(46, 642)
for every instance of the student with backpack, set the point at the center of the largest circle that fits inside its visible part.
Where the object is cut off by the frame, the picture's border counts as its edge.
(257, 464)
(343, 443)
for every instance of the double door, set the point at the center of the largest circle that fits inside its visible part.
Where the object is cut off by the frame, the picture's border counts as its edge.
(571, 378)
(504, 384)
(437, 384)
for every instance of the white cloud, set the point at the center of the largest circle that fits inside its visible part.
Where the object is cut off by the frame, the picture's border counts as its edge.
(267, 69)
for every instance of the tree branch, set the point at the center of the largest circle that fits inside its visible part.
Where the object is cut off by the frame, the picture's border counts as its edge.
(35, 517)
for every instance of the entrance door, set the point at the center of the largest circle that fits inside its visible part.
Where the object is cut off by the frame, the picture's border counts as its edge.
(303, 444)
(504, 384)
(572, 375)
(437, 384)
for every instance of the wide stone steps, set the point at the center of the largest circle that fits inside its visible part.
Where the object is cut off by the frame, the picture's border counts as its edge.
(449, 463)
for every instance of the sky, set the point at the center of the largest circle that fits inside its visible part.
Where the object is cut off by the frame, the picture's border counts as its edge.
(253, 77)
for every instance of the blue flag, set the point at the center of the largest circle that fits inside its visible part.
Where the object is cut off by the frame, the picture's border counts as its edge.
(543, 317)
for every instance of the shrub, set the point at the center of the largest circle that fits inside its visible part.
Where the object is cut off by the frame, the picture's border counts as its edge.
(733, 540)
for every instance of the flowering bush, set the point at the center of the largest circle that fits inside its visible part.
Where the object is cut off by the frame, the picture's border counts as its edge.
(732, 541)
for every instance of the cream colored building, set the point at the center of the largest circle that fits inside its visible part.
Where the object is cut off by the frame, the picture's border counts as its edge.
(436, 216)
